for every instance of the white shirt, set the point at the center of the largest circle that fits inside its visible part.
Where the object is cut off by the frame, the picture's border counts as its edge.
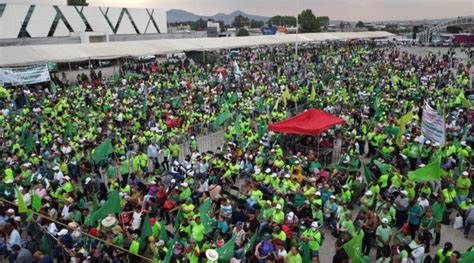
(65, 214)
(58, 176)
(13, 239)
(418, 253)
(424, 203)
(152, 151)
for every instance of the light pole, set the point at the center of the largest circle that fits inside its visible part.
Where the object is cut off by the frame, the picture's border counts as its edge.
(297, 28)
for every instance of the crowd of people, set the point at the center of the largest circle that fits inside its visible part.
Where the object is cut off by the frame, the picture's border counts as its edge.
(102, 171)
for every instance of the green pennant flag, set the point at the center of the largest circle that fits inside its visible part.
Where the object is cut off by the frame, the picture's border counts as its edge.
(221, 118)
(22, 208)
(103, 150)
(353, 247)
(53, 87)
(275, 107)
(45, 244)
(23, 135)
(147, 231)
(369, 176)
(29, 143)
(163, 235)
(312, 97)
(70, 130)
(430, 172)
(204, 209)
(383, 167)
(95, 203)
(111, 206)
(467, 257)
(260, 106)
(305, 252)
(438, 211)
(36, 202)
(226, 252)
(233, 98)
(115, 78)
(168, 255)
(237, 126)
(251, 242)
(402, 122)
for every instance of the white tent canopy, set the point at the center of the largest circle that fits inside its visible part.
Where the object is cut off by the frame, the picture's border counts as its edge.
(27, 55)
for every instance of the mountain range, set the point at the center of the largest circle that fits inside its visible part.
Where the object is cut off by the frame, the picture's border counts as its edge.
(178, 15)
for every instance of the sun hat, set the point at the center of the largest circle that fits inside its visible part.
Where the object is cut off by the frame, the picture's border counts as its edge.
(109, 221)
(212, 255)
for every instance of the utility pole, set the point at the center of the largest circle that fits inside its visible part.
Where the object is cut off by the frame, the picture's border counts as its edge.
(297, 27)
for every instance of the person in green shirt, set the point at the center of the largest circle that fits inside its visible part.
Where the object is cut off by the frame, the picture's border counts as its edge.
(294, 256)
(463, 187)
(198, 229)
(315, 239)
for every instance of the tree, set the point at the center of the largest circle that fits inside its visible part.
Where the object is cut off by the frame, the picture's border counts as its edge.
(360, 24)
(341, 25)
(256, 23)
(308, 23)
(242, 33)
(288, 21)
(241, 21)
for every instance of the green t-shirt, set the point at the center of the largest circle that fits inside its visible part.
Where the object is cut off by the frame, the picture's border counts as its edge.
(294, 258)
(198, 231)
(316, 242)
(384, 233)
(463, 185)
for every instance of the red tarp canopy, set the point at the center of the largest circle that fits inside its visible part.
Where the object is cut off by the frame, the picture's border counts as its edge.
(310, 122)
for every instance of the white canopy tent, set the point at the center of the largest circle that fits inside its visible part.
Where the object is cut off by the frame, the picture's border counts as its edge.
(34, 54)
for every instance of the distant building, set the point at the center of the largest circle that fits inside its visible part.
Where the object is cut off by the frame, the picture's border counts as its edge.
(213, 29)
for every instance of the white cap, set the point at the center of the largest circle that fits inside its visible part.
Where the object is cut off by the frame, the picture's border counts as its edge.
(403, 192)
(56, 168)
(287, 175)
(465, 173)
(428, 142)
(291, 215)
(10, 211)
(268, 170)
(318, 193)
(368, 192)
(257, 171)
(314, 225)
(88, 179)
(278, 206)
(332, 197)
(173, 181)
(385, 220)
(463, 143)
(274, 175)
(297, 162)
(184, 184)
(67, 178)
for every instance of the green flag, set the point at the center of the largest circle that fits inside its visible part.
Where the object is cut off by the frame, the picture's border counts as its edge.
(467, 257)
(70, 130)
(275, 107)
(369, 176)
(353, 247)
(29, 143)
(52, 86)
(402, 122)
(226, 252)
(383, 167)
(460, 164)
(221, 118)
(238, 121)
(124, 167)
(111, 206)
(430, 172)
(438, 211)
(233, 98)
(103, 151)
(312, 97)
(163, 235)
(251, 242)
(22, 208)
(147, 231)
(260, 106)
(204, 209)
(44, 244)
(115, 78)
(36, 202)
(305, 252)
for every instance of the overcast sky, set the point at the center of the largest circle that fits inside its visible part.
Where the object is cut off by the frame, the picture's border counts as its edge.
(335, 9)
